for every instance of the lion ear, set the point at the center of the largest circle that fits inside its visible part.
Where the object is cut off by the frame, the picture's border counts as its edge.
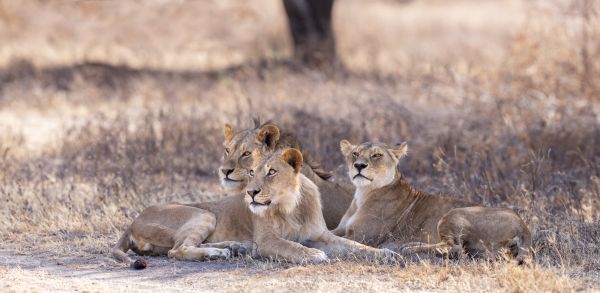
(268, 135)
(346, 147)
(294, 158)
(228, 132)
(400, 150)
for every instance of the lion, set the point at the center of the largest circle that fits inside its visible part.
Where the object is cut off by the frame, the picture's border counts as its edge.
(287, 206)
(387, 212)
(238, 156)
(194, 231)
(280, 211)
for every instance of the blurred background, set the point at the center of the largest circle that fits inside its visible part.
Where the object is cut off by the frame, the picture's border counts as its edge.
(109, 106)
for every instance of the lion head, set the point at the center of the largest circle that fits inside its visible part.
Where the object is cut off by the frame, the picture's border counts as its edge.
(274, 182)
(372, 165)
(238, 153)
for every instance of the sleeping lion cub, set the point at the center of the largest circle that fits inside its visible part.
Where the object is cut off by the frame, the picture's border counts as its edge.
(388, 212)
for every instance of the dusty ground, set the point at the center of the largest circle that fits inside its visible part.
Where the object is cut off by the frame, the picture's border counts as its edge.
(498, 101)
(45, 271)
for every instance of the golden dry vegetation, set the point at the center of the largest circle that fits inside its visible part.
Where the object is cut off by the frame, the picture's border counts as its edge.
(107, 107)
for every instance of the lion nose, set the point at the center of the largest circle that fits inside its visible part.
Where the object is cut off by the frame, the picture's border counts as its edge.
(253, 193)
(360, 166)
(226, 172)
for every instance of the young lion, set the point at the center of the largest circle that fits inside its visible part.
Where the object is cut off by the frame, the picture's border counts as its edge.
(388, 212)
(178, 230)
(282, 209)
(238, 156)
(287, 209)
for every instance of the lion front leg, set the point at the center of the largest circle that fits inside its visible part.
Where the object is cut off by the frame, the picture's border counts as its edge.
(340, 230)
(189, 237)
(278, 248)
(235, 247)
(335, 246)
(199, 253)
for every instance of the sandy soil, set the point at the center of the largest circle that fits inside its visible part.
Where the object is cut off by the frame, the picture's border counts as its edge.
(44, 271)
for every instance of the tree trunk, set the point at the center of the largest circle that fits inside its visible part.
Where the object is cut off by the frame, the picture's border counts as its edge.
(310, 26)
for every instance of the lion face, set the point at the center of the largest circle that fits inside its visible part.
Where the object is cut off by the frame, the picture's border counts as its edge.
(274, 182)
(372, 165)
(238, 153)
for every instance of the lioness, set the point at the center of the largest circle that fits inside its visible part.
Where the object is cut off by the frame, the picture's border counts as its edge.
(282, 209)
(388, 212)
(238, 156)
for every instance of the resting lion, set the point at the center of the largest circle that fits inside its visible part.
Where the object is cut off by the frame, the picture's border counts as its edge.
(388, 212)
(178, 230)
(237, 159)
(287, 213)
(280, 212)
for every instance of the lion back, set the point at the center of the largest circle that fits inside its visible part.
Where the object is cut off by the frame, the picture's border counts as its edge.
(289, 140)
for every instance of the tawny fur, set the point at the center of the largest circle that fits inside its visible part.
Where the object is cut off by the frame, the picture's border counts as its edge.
(195, 231)
(388, 212)
(288, 221)
(198, 231)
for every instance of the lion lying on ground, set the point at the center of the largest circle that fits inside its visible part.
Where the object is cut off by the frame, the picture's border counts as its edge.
(388, 212)
(237, 159)
(287, 209)
(281, 211)
(178, 230)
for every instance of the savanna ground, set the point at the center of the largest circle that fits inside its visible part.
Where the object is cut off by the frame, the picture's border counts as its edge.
(107, 107)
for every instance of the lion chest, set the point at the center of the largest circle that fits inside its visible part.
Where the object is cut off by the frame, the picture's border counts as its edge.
(284, 228)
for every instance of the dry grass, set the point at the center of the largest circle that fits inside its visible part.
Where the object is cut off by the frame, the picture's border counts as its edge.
(501, 110)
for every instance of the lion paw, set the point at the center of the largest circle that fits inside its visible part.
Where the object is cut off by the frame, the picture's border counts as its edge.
(317, 256)
(219, 254)
(242, 248)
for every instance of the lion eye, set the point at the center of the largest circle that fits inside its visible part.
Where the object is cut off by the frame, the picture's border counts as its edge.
(376, 156)
(355, 154)
(246, 153)
(272, 172)
(227, 150)
(251, 173)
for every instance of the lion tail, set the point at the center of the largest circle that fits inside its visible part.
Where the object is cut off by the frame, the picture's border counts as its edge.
(120, 251)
